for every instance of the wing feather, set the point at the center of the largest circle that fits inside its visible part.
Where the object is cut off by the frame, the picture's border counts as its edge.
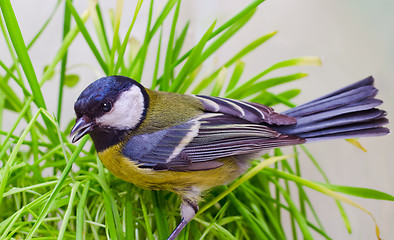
(217, 140)
(161, 147)
(252, 112)
(227, 128)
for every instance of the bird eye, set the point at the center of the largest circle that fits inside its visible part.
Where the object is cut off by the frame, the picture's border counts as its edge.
(107, 106)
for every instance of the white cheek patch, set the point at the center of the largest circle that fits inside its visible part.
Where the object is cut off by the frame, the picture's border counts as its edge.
(126, 112)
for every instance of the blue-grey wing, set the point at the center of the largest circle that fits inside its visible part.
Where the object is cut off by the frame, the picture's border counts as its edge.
(222, 135)
(228, 128)
(252, 112)
(159, 149)
(198, 143)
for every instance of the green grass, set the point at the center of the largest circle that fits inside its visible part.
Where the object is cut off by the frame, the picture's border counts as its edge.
(42, 196)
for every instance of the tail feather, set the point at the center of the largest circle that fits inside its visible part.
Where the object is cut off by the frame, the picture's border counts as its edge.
(331, 114)
(365, 82)
(332, 102)
(346, 113)
(350, 128)
(372, 132)
(342, 120)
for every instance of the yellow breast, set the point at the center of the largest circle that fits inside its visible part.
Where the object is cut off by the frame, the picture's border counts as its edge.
(175, 181)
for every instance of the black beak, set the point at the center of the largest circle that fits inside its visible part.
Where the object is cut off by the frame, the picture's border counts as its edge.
(83, 126)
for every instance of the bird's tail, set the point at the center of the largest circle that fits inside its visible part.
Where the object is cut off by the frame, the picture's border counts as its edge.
(346, 113)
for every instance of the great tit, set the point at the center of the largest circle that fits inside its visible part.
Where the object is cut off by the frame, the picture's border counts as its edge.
(188, 144)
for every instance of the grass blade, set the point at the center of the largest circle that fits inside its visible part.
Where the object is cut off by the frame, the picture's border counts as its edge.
(12, 222)
(126, 38)
(17, 80)
(356, 143)
(160, 215)
(66, 29)
(21, 50)
(130, 226)
(190, 63)
(12, 52)
(303, 61)
(168, 70)
(155, 72)
(327, 191)
(270, 99)
(137, 65)
(56, 190)
(205, 82)
(189, 80)
(179, 42)
(248, 90)
(80, 23)
(6, 169)
(295, 213)
(258, 231)
(36, 36)
(239, 68)
(148, 227)
(80, 212)
(67, 214)
(63, 49)
(225, 37)
(359, 192)
(252, 172)
(100, 29)
(159, 22)
(115, 39)
(44, 26)
(340, 207)
(219, 82)
(11, 98)
(112, 216)
(241, 14)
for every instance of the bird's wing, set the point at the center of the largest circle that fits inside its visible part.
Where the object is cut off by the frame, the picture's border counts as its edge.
(252, 112)
(222, 135)
(156, 150)
(198, 143)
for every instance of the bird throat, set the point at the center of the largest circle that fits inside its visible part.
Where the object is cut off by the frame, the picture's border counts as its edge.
(105, 138)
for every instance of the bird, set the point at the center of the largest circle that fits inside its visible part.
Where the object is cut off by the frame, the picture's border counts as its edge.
(187, 144)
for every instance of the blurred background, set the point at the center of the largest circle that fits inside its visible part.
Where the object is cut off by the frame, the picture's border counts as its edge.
(353, 38)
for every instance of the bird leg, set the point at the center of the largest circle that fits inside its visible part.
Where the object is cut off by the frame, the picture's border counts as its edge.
(189, 208)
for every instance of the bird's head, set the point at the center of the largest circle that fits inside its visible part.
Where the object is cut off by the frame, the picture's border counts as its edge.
(110, 103)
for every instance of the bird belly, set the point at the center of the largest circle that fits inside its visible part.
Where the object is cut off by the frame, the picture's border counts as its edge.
(179, 182)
